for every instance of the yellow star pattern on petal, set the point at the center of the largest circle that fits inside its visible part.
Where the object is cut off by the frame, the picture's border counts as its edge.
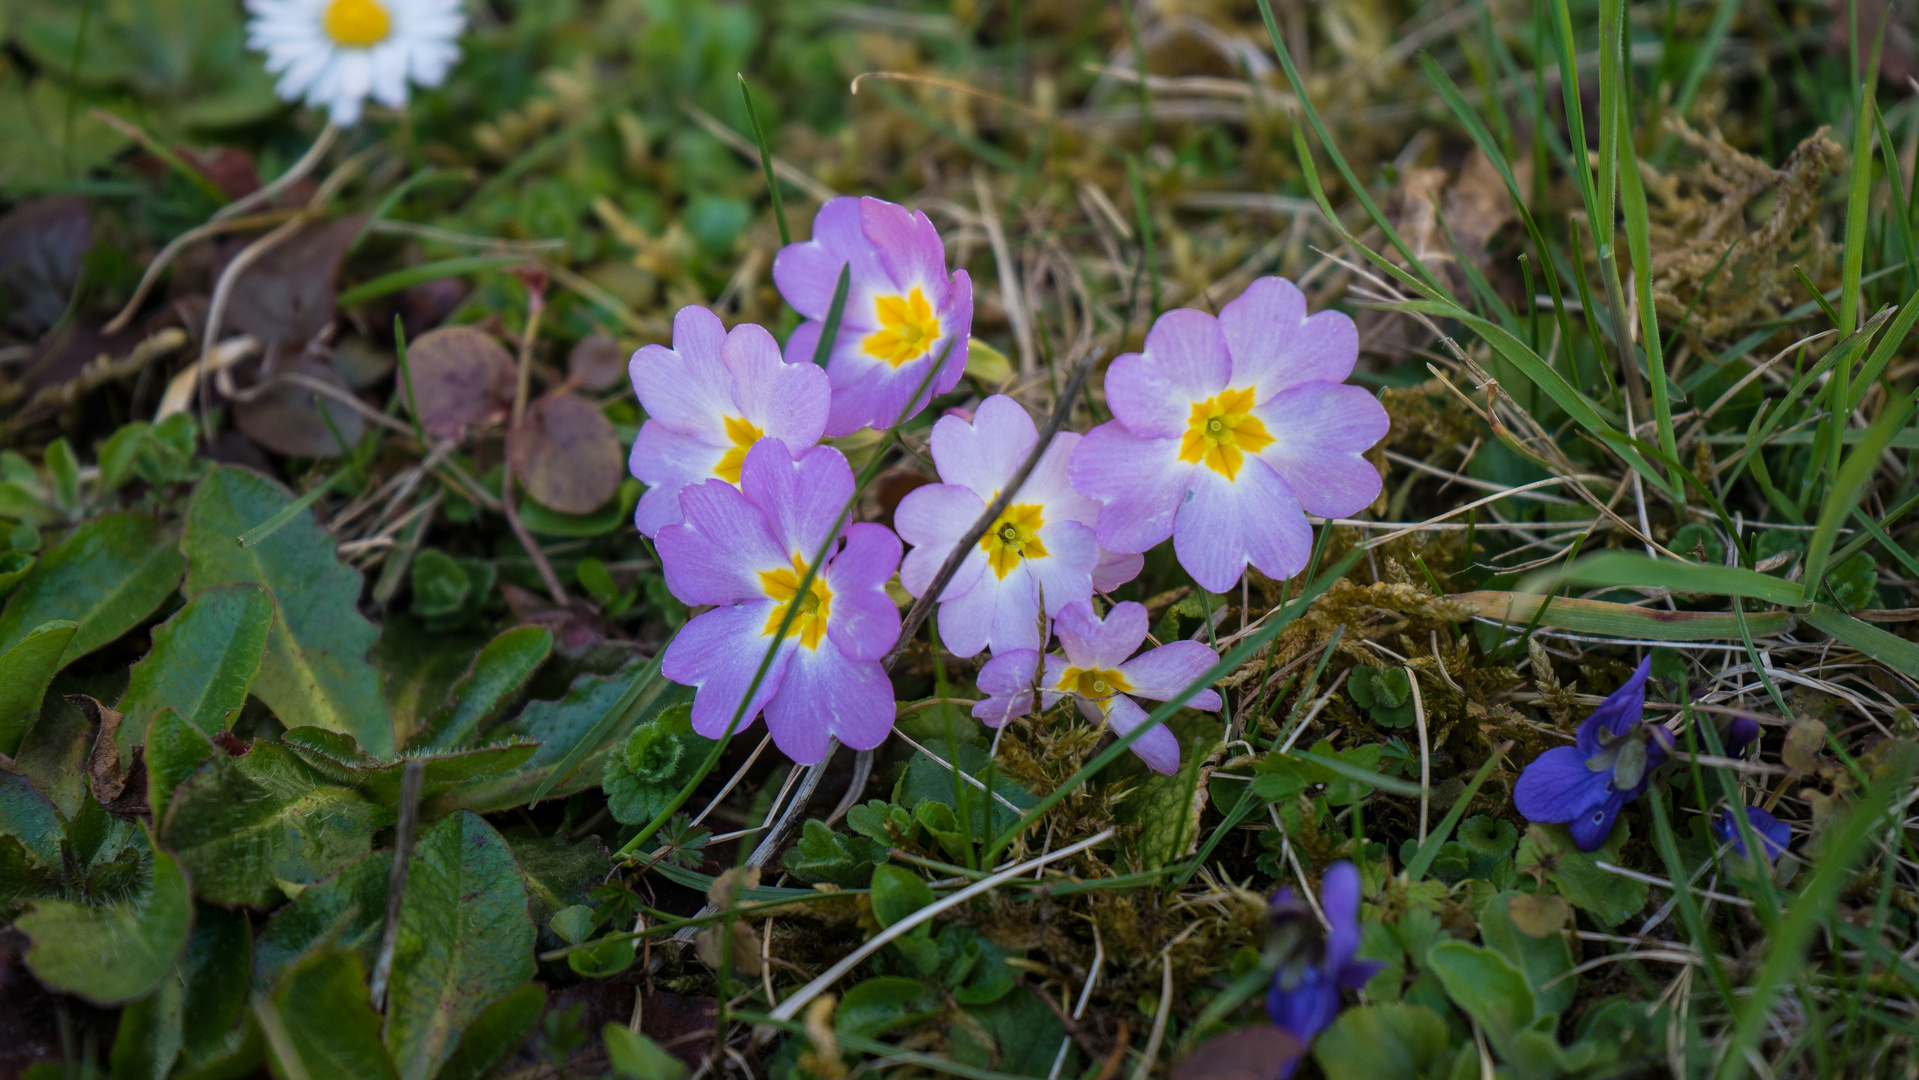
(1094, 684)
(908, 327)
(743, 435)
(809, 625)
(1013, 537)
(1221, 431)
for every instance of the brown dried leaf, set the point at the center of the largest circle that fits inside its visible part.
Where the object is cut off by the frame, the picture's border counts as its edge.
(746, 947)
(720, 893)
(567, 454)
(120, 789)
(285, 417)
(596, 363)
(1538, 916)
(460, 377)
(286, 296)
(1804, 743)
(1259, 1052)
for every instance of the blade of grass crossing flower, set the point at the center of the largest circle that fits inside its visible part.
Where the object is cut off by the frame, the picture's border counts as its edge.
(1228, 663)
(1339, 160)
(1688, 905)
(791, 612)
(1422, 859)
(830, 330)
(766, 162)
(1785, 949)
(1849, 486)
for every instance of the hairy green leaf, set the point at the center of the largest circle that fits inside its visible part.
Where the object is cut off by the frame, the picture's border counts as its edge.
(25, 671)
(498, 672)
(330, 1025)
(202, 662)
(116, 952)
(106, 576)
(314, 672)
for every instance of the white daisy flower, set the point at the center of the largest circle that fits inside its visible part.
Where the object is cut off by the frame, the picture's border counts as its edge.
(335, 53)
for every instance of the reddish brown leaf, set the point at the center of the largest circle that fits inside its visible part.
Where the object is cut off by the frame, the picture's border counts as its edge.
(120, 789)
(596, 363)
(460, 377)
(286, 296)
(41, 244)
(285, 417)
(1258, 1052)
(566, 454)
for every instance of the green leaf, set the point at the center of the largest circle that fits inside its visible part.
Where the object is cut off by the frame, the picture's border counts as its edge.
(1167, 810)
(1608, 897)
(195, 1015)
(1627, 568)
(876, 1006)
(30, 818)
(344, 911)
(898, 893)
(1543, 961)
(660, 756)
(117, 952)
(1488, 988)
(25, 671)
(1025, 1035)
(1887, 648)
(203, 661)
(241, 824)
(637, 1057)
(330, 1025)
(1519, 609)
(1383, 1042)
(465, 940)
(557, 874)
(824, 855)
(340, 760)
(314, 672)
(497, 1032)
(174, 749)
(498, 673)
(106, 576)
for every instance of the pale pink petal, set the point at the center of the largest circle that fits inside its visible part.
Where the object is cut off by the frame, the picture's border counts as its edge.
(1158, 748)
(718, 653)
(1138, 482)
(667, 460)
(1065, 573)
(862, 620)
(1115, 569)
(1100, 644)
(717, 554)
(931, 518)
(1228, 523)
(807, 272)
(1275, 345)
(908, 244)
(1185, 361)
(687, 387)
(966, 620)
(984, 454)
(802, 499)
(1162, 673)
(1319, 432)
(825, 695)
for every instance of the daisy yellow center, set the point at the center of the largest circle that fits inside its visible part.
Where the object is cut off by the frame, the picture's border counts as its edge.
(1221, 430)
(357, 24)
(742, 435)
(1014, 536)
(809, 623)
(1094, 684)
(908, 327)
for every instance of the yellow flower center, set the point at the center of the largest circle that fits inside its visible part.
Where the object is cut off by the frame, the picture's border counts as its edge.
(1094, 684)
(743, 435)
(809, 623)
(908, 328)
(1221, 430)
(1014, 536)
(357, 24)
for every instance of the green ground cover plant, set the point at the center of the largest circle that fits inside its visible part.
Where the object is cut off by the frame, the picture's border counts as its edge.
(663, 539)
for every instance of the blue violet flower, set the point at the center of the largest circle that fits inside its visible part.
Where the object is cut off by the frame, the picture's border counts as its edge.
(1305, 994)
(1609, 765)
(1774, 835)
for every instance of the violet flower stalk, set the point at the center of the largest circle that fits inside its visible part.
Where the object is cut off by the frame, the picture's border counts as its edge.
(1097, 674)
(708, 399)
(1041, 548)
(745, 549)
(1228, 431)
(1610, 764)
(1304, 998)
(903, 311)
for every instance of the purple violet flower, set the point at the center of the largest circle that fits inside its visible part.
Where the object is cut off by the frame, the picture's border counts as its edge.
(903, 312)
(1609, 765)
(1097, 674)
(708, 399)
(1305, 995)
(1041, 547)
(1774, 835)
(1228, 431)
(1740, 734)
(745, 549)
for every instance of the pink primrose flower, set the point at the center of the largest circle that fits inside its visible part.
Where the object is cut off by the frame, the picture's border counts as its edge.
(1096, 673)
(708, 399)
(903, 311)
(1228, 431)
(1041, 546)
(745, 550)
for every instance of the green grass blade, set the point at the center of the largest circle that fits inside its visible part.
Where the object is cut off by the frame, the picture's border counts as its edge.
(829, 332)
(766, 162)
(1849, 486)
(1629, 569)
(386, 284)
(1428, 851)
(1889, 649)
